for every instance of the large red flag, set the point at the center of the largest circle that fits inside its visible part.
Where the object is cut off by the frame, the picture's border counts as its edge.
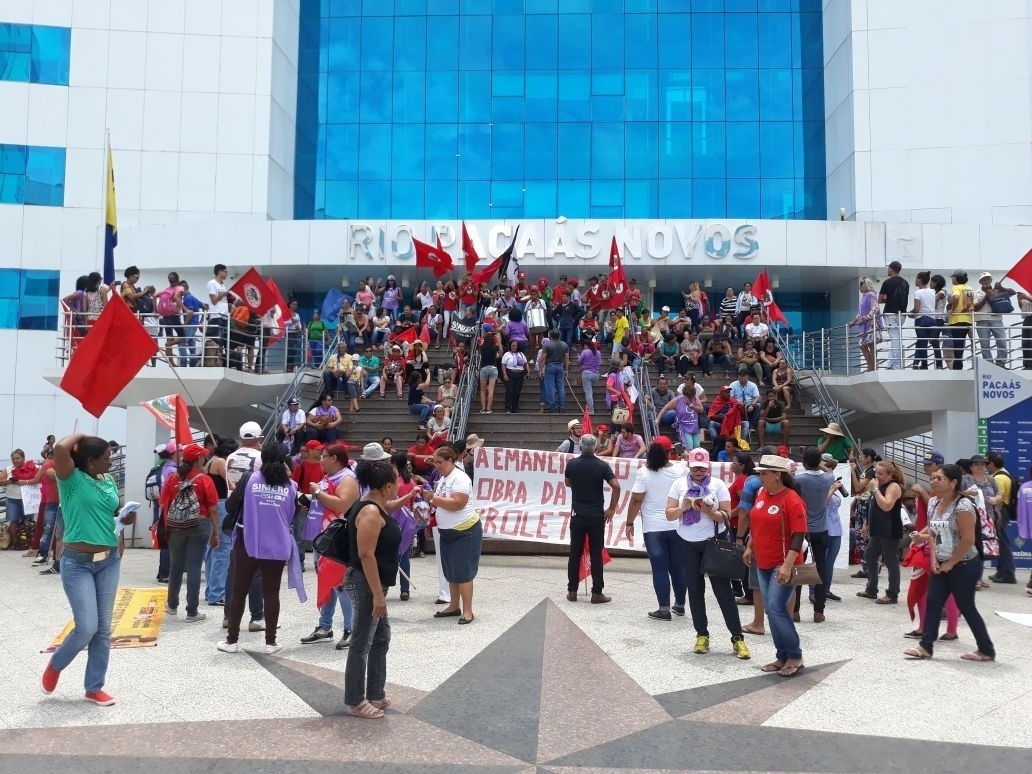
(434, 258)
(761, 287)
(614, 294)
(107, 359)
(489, 271)
(1022, 272)
(585, 560)
(469, 252)
(253, 288)
(278, 313)
(184, 435)
(586, 422)
(408, 335)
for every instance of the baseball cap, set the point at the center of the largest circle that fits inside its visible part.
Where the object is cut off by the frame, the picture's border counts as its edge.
(169, 447)
(663, 442)
(958, 272)
(250, 431)
(976, 459)
(374, 452)
(292, 402)
(698, 458)
(829, 458)
(984, 275)
(896, 266)
(933, 458)
(314, 446)
(572, 424)
(193, 452)
(665, 309)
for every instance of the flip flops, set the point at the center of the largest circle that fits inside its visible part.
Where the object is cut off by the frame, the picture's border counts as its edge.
(773, 666)
(917, 654)
(792, 671)
(366, 710)
(977, 655)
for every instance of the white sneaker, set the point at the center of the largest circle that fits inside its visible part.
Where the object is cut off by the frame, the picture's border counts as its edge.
(268, 649)
(196, 617)
(228, 647)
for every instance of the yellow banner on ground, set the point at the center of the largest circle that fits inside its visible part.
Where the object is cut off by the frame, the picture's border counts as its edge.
(135, 621)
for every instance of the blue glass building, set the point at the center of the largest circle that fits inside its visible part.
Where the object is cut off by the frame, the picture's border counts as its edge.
(445, 109)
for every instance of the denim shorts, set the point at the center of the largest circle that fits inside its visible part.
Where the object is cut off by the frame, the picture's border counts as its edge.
(489, 372)
(15, 510)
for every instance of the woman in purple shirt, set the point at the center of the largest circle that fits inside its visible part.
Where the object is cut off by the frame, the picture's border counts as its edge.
(517, 330)
(391, 298)
(869, 321)
(590, 362)
(262, 539)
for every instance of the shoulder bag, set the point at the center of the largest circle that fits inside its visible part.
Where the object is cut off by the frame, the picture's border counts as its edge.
(235, 504)
(802, 574)
(722, 557)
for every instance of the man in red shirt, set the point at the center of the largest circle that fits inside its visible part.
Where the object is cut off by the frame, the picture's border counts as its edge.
(50, 516)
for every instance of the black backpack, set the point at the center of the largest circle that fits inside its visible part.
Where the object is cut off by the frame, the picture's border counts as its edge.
(152, 484)
(334, 542)
(1009, 509)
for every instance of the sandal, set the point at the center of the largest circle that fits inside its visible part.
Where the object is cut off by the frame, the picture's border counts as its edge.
(865, 595)
(366, 710)
(914, 635)
(749, 630)
(792, 671)
(977, 655)
(381, 704)
(773, 666)
(465, 620)
(917, 654)
(948, 637)
(448, 613)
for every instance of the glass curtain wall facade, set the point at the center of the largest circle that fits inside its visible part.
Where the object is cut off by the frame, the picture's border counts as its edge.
(446, 109)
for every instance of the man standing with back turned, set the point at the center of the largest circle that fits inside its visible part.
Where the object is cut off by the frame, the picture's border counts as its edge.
(584, 476)
(894, 293)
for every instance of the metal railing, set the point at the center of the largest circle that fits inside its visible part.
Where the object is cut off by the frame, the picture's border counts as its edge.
(466, 389)
(898, 343)
(908, 454)
(209, 341)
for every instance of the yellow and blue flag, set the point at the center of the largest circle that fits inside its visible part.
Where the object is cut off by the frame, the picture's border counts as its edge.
(110, 220)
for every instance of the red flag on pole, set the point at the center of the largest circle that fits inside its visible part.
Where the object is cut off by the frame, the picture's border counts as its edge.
(614, 294)
(433, 258)
(585, 560)
(485, 274)
(1022, 272)
(171, 411)
(255, 292)
(409, 335)
(762, 290)
(469, 252)
(586, 423)
(184, 435)
(107, 359)
(278, 313)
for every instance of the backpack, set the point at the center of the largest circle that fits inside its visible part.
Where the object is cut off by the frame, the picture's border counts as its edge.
(1009, 509)
(184, 512)
(166, 305)
(152, 484)
(334, 542)
(145, 305)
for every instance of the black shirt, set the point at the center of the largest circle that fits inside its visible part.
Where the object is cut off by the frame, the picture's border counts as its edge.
(387, 544)
(885, 524)
(897, 292)
(586, 475)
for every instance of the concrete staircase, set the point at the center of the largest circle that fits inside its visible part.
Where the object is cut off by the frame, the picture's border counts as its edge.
(528, 429)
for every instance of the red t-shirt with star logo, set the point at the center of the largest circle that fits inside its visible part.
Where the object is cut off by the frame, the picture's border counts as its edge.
(768, 542)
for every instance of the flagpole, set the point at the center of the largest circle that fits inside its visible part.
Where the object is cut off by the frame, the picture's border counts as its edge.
(161, 356)
(103, 195)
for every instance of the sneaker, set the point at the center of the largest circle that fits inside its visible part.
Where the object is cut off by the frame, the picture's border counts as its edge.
(49, 680)
(171, 610)
(344, 641)
(43, 560)
(701, 644)
(100, 698)
(161, 579)
(859, 574)
(833, 597)
(660, 615)
(228, 647)
(741, 649)
(317, 635)
(677, 609)
(195, 617)
(217, 603)
(256, 626)
(267, 649)
(997, 578)
(51, 570)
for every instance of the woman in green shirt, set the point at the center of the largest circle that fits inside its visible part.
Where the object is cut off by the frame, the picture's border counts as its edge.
(316, 338)
(92, 556)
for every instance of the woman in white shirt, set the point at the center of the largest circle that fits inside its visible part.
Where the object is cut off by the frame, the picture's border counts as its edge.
(700, 504)
(381, 327)
(925, 324)
(648, 497)
(460, 531)
(514, 370)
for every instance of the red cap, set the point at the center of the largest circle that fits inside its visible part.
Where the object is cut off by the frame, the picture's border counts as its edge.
(543, 282)
(663, 442)
(314, 446)
(194, 451)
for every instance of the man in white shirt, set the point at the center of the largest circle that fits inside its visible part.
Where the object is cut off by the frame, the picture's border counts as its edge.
(747, 395)
(989, 324)
(292, 423)
(218, 309)
(757, 331)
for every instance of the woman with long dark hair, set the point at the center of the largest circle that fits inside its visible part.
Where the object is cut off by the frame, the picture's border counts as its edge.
(885, 530)
(952, 524)
(90, 561)
(374, 538)
(925, 324)
(648, 497)
(189, 505)
(263, 540)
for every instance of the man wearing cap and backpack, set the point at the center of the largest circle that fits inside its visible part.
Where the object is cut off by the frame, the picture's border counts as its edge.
(894, 293)
(239, 465)
(1007, 485)
(572, 443)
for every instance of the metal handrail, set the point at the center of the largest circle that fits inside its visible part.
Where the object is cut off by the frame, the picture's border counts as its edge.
(293, 389)
(464, 390)
(909, 454)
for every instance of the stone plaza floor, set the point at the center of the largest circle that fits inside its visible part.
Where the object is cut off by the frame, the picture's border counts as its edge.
(535, 684)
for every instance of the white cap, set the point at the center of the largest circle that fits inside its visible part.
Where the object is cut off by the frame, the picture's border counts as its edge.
(665, 309)
(250, 431)
(984, 275)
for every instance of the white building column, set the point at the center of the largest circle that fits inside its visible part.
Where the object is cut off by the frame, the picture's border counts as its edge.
(142, 435)
(955, 433)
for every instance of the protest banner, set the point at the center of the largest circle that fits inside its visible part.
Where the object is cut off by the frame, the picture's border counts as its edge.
(135, 620)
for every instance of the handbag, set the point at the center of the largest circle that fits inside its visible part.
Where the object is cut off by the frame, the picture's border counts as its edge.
(722, 558)
(235, 505)
(802, 574)
(620, 414)
(1000, 303)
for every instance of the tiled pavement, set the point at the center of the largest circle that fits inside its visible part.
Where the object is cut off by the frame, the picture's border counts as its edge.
(535, 684)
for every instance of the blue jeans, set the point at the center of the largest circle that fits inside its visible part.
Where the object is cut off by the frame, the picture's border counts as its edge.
(162, 552)
(960, 582)
(422, 410)
(186, 549)
(346, 610)
(50, 513)
(665, 571)
(365, 674)
(1005, 564)
(216, 564)
(782, 630)
(555, 392)
(405, 565)
(589, 380)
(369, 384)
(15, 511)
(90, 587)
(834, 544)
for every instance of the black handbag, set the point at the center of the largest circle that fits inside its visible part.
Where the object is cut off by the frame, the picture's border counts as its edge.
(235, 505)
(722, 557)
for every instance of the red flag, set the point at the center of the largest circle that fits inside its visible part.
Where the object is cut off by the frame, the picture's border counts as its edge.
(614, 294)
(424, 335)
(107, 359)
(485, 274)
(434, 258)
(585, 560)
(760, 289)
(469, 252)
(184, 435)
(255, 292)
(1022, 272)
(586, 422)
(408, 335)
(278, 313)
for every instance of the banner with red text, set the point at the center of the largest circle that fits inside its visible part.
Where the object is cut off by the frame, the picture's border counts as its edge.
(521, 494)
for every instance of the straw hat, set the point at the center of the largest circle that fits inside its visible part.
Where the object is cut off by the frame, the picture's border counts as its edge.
(832, 429)
(474, 441)
(775, 463)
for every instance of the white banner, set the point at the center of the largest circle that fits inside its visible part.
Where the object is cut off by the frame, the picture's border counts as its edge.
(521, 494)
